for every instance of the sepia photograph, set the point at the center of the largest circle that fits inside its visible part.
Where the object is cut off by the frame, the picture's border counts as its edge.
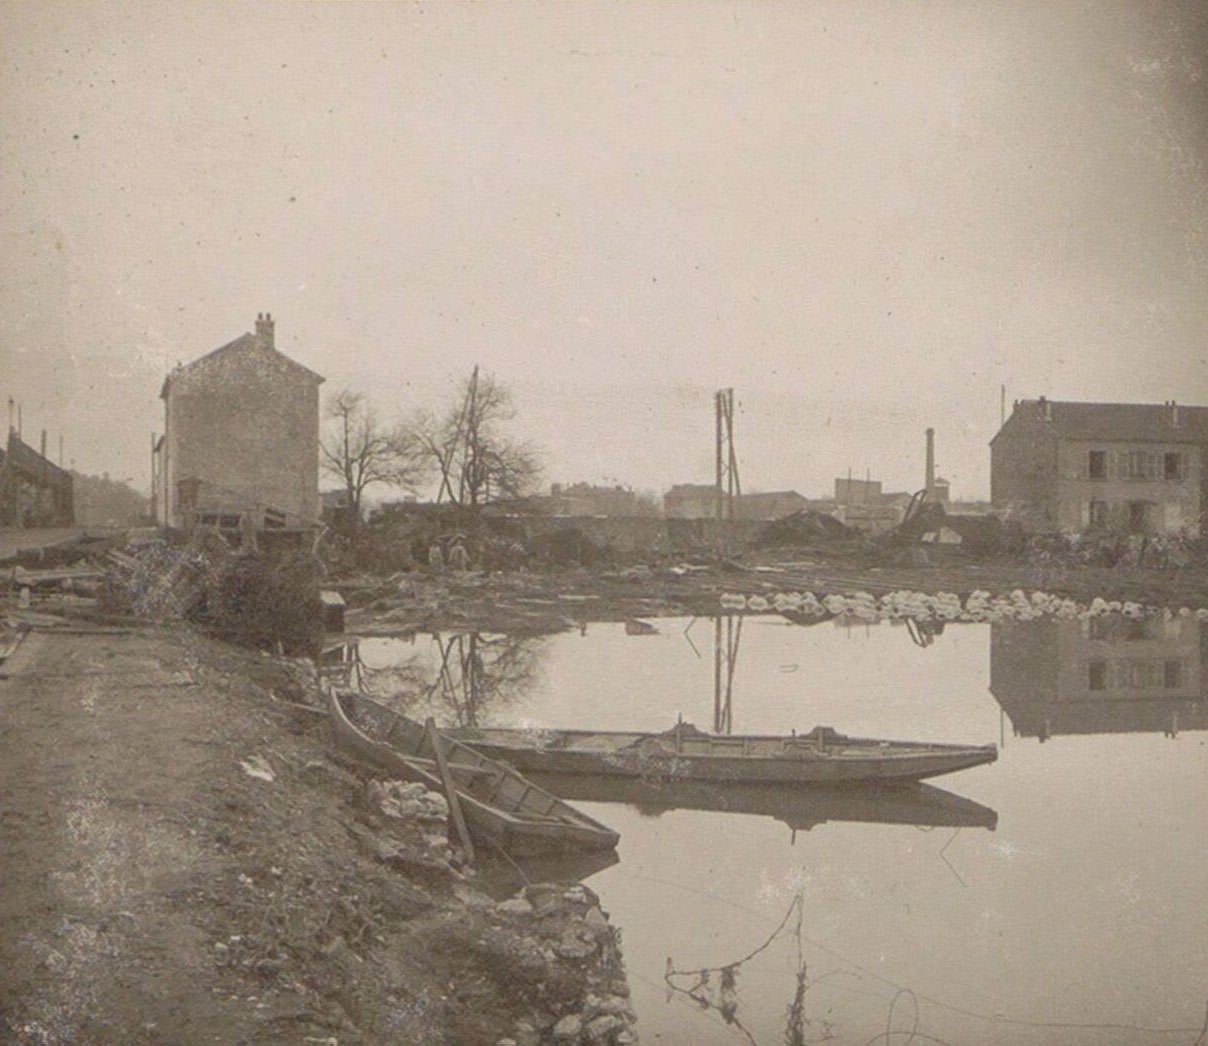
(599, 522)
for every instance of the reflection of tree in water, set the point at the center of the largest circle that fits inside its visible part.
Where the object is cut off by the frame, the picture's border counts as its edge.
(474, 672)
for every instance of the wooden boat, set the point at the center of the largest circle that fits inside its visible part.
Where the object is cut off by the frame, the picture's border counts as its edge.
(502, 809)
(685, 753)
(800, 807)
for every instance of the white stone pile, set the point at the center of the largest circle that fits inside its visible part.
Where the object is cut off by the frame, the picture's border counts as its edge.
(411, 801)
(979, 605)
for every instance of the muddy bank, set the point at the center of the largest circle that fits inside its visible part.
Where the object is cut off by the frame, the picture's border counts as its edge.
(187, 859)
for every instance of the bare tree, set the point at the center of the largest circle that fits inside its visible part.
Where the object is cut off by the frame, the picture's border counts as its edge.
(475, 462)
(359, 452)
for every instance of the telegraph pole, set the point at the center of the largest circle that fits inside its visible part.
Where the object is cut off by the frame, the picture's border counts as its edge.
(729, 487)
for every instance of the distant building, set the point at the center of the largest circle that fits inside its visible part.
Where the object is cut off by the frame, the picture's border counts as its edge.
(862, 504)
(241, 438)
(1103, 675)
(584, 499)
(769, 505)
(705, 501)
(857, 491)
(335, 507)
(34, 491)
(692, 501)
(1119, 467)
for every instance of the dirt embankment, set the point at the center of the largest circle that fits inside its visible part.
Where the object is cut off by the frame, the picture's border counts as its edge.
(187, 860)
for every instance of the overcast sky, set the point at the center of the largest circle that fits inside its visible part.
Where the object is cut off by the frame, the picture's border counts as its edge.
(864, 215)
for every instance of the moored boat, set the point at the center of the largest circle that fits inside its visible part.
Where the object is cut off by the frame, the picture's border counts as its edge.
(686, 753)
(501, 807)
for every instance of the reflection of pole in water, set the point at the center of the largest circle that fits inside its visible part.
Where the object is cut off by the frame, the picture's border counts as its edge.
(462, 693)
(727, 636)
(472, 670)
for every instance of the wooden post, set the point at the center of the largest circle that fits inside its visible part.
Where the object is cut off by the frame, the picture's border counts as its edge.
(459, 822)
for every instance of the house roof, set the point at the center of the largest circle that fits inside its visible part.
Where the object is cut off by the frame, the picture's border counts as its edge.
(1156, 422)
(246, 342)
(693, 488)
(772, 495)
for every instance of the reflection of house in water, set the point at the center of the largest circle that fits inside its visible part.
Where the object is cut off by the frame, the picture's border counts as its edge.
(1105, 675)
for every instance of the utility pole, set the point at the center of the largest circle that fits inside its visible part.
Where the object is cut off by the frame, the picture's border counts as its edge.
(728, 485)
(727, 638)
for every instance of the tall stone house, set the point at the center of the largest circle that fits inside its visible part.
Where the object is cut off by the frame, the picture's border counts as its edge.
(241, 438)
(1120, 468)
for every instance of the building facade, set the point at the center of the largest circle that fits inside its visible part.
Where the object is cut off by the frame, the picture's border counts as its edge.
(34, 491)
(241, 438)
(1108, 674)
(1102, 467)
(585, 499)
(692, 501)
(705, 501)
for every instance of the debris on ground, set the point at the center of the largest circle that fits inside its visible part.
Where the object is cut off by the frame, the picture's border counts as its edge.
(802, 529)
(230, 876)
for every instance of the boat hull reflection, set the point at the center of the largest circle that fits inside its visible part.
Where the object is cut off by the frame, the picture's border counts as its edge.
(500, 878)
(801, 807)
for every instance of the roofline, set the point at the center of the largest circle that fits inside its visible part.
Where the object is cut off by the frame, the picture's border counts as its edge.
(163, 392)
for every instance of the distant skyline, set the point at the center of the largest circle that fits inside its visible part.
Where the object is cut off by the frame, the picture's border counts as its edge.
(864, 216)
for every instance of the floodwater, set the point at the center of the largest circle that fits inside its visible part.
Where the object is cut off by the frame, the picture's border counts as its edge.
(1059, 898)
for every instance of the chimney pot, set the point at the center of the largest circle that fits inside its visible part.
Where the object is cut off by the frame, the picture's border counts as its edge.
(264, 329)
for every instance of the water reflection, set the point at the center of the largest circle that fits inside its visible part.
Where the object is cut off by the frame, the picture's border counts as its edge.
(460, 675)
(800, 808)
(500, 876)
(1102, 675)
(716, 987)
(967, 933)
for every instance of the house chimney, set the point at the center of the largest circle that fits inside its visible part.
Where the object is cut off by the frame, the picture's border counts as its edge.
(264, 329)
(43, 443)
(1046, 408)
(1174, 414)
(930, 460)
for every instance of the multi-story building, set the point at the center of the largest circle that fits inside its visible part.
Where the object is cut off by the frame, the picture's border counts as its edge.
(241, 438)
(1111, 467)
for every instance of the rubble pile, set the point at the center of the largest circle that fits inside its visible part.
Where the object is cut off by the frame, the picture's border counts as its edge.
(257, 598)
(803, 528)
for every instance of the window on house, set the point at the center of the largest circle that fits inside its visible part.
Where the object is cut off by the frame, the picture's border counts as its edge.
(1173, 675)
(1139, 517)
(1173, 466)
(1096, 465)
(1137, 464)
(1096, 675)
(1098, 514)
